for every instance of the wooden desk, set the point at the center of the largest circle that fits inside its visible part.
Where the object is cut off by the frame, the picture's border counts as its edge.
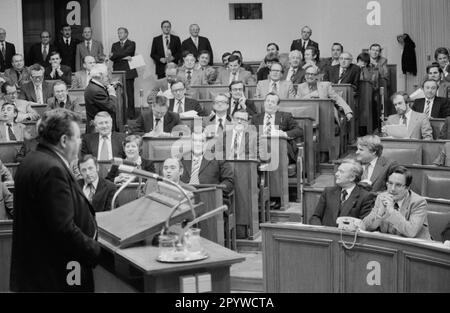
(208, 92)
(430, 148)
(304, 258)
(436, 124)
(8, 151)
(137, 266)
(5, 253)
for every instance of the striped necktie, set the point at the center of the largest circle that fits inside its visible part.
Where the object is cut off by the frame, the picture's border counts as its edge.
(180, 106)
(427, 108)
(268, 124)
(12, 137)
(196, 162)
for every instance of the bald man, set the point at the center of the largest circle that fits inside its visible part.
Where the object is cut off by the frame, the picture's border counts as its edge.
(195, 43)
(343, 73)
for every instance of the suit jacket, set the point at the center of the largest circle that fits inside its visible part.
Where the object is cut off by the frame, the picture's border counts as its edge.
(24, 107)
(80, 80)
(329, 208)
(223, 78)
(72, 104)
(418, 126)
(189, 105)
(409, 221)
(118, 52)
(35, 55)
(67, 52)
(66, 76)
(28, 93)
(52, 227)
(297, 78)
(298, 45)
(285, 90)
(5, 61)
(103, 196)
(217, 172)
(209, 123)
(380, 173)
(157, 52)
(440, 109)
(144, 122)
(18, 79)
(146, 165)
(18, 129)
(90, 142)
(96, 99)
(351, 75)
(286, 123)
(445, 131)
(249, 107)
(6, 203)
(196, 77)
(81, 51)
(203, 44)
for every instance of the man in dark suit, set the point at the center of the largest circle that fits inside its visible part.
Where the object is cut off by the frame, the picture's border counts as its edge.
(238, 101)
(99, 96)
(54, 223)
(344, 73)
(121, 53)
(57, 70)
(240, 140)
(37, 90)
(274, 122)
(180, 104)
(40, 52)
(196, 43)
(431, 106)
(344, 199)
(295, 73)
(158, 121)
(67, 47)
(166, 48)
(305, 41)
(336, 50)
(97, 190)
(18, 74)
(376, 167)
(7, 51)
(104, 144)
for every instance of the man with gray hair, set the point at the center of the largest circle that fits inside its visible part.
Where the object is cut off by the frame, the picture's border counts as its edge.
(305, 41)
(99, 96)
(343, 73)
(62, 99)
(295, 73)
(347, 198)
(196, 43)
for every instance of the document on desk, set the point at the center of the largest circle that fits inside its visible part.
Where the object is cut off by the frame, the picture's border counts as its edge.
(136, 61)
(397, 131)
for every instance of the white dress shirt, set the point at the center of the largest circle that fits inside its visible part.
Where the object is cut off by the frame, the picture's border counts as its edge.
(106, 141)
(195, 40)
(349, 191)
(160, 124)
(239, 141)
(224, 120)
(271, 85)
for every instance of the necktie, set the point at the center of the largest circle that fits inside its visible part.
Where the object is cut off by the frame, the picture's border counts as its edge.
(236, 107)
(274, 87)
(365, 172)
(304, 45)
(12, 137)
(196, 42)
(157, 127)
(427, 108)
(3, 49)
(88, 46)
(67, 42)
(404, 120)
(194, 173)
(189, 76)
(91, 191)
(396, 206)
(121, 44)
(268, 124)
(220, 130)
(236, 146)
(342, 74)
(38, 92)
(343, 195)
(180, 106)
(61, 104)
(104, 153)
(45, 53)
(167, 41)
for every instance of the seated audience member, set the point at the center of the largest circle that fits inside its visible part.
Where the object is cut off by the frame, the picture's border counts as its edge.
(417, 124)
(434, 72)
(311, 58)
(97, 190)
(336, 50)
(181, 104)
(376, 166)
(441, 55)
(238, 101)
(274, 84)
(9, 129)
(105, 144)
(37, 90)
(216, 122)
(263, 72)
(173, 170)
(56, 70)
(62, 99)
(158, 121)
(347, 198)
(399, 210)
(235, 72)
(240, 141)
(188, 72)
(132, 145)
(271, 48)
(81, 78)
(19, 74)
(25, 109)
(163, 85)
(6, 203)
(210, 76)
(5, 175)
(273, 122)
(203, 168)
(312, 88)
(203, 60)
(431, 106)
(345, 72)
(225, 58)
(295, 73)
(243, 65)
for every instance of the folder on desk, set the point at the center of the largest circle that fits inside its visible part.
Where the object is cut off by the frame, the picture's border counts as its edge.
(397, 131)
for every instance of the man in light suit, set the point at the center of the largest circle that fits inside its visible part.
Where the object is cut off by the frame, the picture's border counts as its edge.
(195, 44)
(188, 72)
(163, 84)
(234, 72)
(7, 51)
(87, 47)
(431, 106)
(19, 74)
(166, 48)
(9, 129)
(399, 210)
(40, 52)
(121, 53)
(305, 41)
(295, 73)
(284, 89)
(25, 109)
(81, 78)
(347, 198)
(181, 104)
(37, 90)
(240, 141)
(343, 73)
(62, 99)
(376, 166)
(418, 124)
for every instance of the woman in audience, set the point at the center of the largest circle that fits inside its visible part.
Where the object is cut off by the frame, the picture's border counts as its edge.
(441, 55)
(133, 147)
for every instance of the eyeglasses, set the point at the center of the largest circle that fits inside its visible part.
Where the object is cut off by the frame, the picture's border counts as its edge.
(177, 90)
(237, 89)
(310, 74)
(347, 59)
(395, 185)
(275, 70)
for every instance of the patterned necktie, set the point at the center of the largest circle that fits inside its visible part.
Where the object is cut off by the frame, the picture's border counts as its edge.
(427, 108)
(236, 107)
(91, 189)
(342, 74)
(3, 49)
(12, 137)
(44, 53)
(194, 172)
(343, 195)
(269, 124)
(38, 92)
(88, 46)
(180, 107)
(220, 129)
(167, 41)
(404, 120)
(189, 76)
(365, 172)
(274, 87)
(104, 153)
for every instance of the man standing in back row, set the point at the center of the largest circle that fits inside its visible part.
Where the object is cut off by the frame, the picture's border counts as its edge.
(166, 48)
(195, 44)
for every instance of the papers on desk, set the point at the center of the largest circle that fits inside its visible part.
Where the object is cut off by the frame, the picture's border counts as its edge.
(136, 61)
(187, 114)
(397, 131)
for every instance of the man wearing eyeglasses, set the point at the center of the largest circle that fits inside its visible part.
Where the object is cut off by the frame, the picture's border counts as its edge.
(219, 118)
(343, 73)
(399, 210)
(37, 90)
(284, 89)
(238, 101)
(181, 104)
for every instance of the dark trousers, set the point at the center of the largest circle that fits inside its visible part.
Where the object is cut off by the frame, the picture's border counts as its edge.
(130, 98)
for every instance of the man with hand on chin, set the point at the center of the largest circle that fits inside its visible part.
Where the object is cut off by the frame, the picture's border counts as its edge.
(56, 70)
